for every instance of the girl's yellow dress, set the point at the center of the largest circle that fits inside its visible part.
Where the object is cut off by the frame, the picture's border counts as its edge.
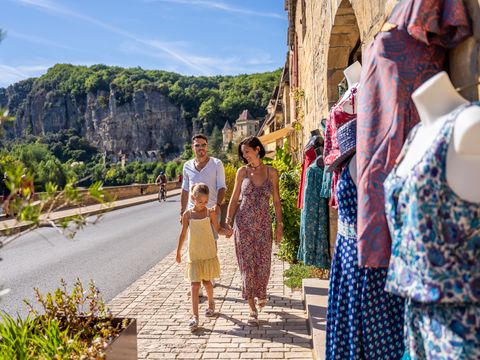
(202, 263)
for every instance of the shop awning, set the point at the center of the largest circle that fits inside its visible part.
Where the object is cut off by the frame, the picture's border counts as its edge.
(276, 135)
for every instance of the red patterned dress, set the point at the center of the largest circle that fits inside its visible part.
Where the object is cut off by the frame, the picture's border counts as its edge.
(253, 237)
(395, 64)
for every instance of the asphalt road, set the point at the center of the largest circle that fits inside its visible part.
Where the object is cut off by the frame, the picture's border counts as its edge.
(115, 252)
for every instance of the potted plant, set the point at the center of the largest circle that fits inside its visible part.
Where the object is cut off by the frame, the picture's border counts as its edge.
(75, 325)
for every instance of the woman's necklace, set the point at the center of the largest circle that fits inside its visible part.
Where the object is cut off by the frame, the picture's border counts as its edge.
(253, 168)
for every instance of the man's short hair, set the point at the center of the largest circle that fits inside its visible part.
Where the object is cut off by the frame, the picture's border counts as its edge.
(199, 136)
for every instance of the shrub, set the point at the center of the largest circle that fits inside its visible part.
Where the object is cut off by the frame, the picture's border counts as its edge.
(299, 271)
(74, 325)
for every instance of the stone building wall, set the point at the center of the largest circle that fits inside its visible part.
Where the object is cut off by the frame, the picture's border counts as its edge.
(331, 34)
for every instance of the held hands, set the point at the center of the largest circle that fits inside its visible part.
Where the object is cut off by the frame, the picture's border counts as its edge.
(228, 231)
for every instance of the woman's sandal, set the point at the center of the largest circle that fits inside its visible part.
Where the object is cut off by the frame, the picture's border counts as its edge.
(253, 317)
(210, 311)
(261, 303)
(193, 323)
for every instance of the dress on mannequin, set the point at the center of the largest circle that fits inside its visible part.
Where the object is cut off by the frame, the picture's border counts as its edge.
(396, 63)
(435, 254)
(314, 248)
(363, 320)
(309, 156)
(337, 117)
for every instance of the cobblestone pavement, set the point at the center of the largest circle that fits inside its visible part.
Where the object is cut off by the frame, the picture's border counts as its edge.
(159, 301)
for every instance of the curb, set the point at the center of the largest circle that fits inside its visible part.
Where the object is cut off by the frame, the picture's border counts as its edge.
(315, 296)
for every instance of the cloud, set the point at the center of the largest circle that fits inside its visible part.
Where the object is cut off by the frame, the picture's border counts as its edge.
(12, 74)
(54, 8)
(37, 40)
(217, 5)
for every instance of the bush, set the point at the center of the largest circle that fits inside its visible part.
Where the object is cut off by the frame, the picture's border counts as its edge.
(289, 179)
(230, 172)
(72, 326)
(299, 271)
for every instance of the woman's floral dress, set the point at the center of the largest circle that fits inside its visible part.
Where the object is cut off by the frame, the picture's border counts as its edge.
(253, 237)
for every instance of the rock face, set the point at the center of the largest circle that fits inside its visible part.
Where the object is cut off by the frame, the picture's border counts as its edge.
(149, 121)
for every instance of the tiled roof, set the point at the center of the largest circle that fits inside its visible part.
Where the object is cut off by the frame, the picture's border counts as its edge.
(245, 115)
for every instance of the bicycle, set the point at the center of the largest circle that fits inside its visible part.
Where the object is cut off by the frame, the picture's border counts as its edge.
(162, 193)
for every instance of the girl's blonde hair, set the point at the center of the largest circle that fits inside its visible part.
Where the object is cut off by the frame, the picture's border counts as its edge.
(200, 188)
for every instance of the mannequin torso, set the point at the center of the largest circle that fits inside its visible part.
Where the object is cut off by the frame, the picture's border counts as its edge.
(352, 74)
(435, 100)
(352, 168)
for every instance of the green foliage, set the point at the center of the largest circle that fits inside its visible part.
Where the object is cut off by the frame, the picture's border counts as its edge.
(36, 212)
(296, 272)
(230, 173)
(288, 187)
(71, 326)
(212, 99)
(215, 143)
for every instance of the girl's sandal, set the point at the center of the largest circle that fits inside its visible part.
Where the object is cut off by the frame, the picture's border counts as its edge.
(253, 317)
(261, 303)
(193, 323)
(210, 310)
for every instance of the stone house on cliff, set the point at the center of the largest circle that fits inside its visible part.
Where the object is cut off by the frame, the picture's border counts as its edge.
(245, 125)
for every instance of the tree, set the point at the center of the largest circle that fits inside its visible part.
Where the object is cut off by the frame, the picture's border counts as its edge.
(216, 142)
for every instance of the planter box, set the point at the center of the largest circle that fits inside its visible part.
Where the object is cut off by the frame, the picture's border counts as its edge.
(124, 346)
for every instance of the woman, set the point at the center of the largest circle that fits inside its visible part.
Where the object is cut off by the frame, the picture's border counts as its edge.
(252, 227)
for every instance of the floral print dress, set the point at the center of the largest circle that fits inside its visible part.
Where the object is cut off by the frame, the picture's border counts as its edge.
(253, 237)
(363, 320)
(435, 260)
(314, 246)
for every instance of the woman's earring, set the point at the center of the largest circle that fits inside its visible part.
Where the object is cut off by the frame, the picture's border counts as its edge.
(258, 155)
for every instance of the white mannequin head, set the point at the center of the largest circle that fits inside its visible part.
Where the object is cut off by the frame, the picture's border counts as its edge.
(352, 74)
(435, 98)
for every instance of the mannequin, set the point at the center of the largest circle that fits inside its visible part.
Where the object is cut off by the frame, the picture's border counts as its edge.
(352, 74)
(352, 168)
(435, 100)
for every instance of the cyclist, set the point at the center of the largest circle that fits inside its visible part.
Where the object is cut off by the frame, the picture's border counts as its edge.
(162, 191)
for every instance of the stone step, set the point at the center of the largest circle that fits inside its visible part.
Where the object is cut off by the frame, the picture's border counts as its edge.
(315, 296)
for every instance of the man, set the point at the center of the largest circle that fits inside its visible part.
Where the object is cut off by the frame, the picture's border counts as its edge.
(207, 170)
(162, 180)
(203, 169)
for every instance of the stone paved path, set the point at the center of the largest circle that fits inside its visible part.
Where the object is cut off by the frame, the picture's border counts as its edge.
(161, 305)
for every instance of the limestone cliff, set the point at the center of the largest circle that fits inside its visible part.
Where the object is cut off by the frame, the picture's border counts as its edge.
(147, 122)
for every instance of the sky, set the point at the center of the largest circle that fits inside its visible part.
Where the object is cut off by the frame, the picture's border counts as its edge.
(191, 37)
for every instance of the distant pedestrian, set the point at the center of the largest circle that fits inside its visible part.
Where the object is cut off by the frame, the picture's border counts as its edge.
(5, 194)
(202, 261)
(256, 183)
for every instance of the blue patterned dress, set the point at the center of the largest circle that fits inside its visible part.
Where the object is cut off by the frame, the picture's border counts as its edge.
(314, 245)
(363, 321)
(435, 260)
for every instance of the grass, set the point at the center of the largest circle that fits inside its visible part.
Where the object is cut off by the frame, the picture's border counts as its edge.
(297, 272)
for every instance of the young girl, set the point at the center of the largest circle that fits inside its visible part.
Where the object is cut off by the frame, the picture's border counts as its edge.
(202, 263)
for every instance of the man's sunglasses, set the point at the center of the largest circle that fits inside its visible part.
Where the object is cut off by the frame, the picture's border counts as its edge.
(200, 145)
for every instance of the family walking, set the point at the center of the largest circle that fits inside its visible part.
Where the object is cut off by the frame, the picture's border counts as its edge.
(248, 219)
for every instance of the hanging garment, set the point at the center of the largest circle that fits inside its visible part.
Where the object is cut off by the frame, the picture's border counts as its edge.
(331, 150)
(396, 63)
(314, 245)
(309, 157)
(363, 320)
(435, 261)
(253, 237)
